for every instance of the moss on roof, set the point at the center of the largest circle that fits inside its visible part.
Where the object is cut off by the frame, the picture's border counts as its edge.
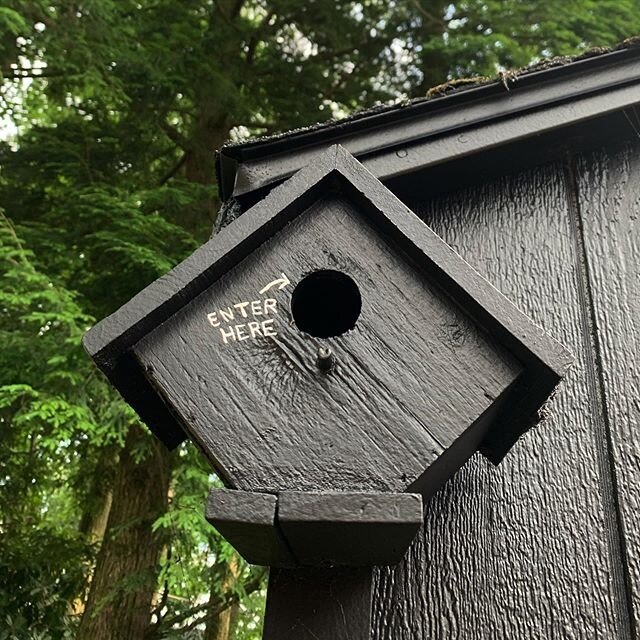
(458, 85)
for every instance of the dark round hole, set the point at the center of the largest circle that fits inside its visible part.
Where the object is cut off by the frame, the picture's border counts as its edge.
(326, 304)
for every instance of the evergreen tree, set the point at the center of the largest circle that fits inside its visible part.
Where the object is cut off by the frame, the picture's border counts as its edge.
(111, 112)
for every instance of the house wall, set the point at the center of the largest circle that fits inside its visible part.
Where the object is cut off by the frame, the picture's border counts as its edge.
(546, 545)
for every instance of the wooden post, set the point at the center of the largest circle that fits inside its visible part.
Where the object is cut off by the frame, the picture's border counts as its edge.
(319, 604)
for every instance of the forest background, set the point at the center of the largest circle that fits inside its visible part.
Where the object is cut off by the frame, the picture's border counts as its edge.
(110, 115)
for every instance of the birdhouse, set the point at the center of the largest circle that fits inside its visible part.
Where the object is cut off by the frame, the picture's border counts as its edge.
(335, 360)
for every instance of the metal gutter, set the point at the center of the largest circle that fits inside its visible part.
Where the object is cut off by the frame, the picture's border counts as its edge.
(401, 139)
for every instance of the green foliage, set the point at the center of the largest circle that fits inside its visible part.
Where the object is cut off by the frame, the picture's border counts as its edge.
(196, 556)
(40, 574)
(481, 38)
(111, 111)
(45, 415)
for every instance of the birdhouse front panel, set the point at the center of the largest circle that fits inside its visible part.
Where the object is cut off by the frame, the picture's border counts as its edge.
(327, 359)
(335, 360)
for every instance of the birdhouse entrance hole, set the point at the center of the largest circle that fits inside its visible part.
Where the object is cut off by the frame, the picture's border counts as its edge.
(326, 304)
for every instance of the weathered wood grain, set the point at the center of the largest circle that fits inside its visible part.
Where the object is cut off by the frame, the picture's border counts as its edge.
(524, 550)
(609, 205)
(111, 341)
(349, 529)
(248, 519)
(411, 377)
(316, 529)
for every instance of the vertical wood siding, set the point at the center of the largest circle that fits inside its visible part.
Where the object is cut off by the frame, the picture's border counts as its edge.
(532, 549)
(609, 205)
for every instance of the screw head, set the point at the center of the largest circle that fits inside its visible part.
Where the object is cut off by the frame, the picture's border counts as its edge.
(326, 360)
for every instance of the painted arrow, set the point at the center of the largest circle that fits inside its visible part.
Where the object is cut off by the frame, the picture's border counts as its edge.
(282, 281)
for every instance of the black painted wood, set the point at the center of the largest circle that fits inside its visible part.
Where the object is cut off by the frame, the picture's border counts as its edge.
(544, 359)
(410, 380)
(525, 550)
(411, 377)
(300, 528)
(429, 322)
(410, 137)
(318, 604)
(608, 183)
(249, 519)
(435, 363)
(352, 529)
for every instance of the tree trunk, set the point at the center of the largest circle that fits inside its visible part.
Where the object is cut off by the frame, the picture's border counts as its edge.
(119, 602)
(95, 516)
(225, 575)
(210, 133)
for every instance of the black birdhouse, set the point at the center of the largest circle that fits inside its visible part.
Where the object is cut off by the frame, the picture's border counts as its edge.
(336, 362)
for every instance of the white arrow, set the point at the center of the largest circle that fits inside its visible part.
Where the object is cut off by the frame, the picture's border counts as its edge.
(283, 281)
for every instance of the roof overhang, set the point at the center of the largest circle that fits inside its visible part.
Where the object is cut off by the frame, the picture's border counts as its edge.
(401, 139)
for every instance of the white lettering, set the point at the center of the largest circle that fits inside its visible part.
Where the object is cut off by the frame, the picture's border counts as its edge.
(254, 329)
(240, 332)
(227, 315)
(227, 335)
(241, 306)
(223, 318)
(267, 328)
(256, 307)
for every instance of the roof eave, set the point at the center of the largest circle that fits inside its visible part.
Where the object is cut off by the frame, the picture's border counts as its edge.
(406, 137)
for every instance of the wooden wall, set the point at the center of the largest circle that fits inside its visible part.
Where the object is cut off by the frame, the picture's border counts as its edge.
(546, 545)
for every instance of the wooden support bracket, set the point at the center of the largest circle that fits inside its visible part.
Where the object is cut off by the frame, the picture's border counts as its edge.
(316, 529)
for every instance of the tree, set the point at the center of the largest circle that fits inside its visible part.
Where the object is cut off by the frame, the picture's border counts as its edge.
(127, 566)
(472, 38)
(112, 112)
